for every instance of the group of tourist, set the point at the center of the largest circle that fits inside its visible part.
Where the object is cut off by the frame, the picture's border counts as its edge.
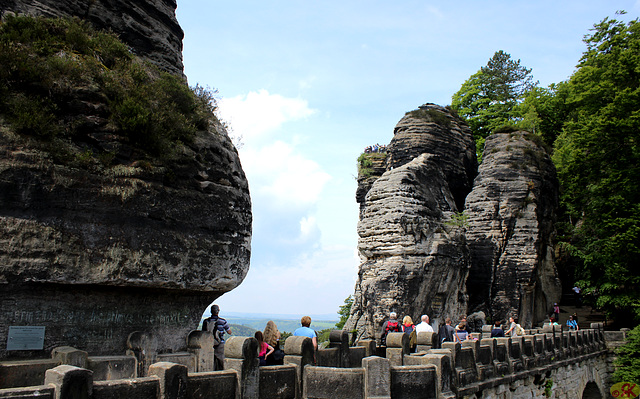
(375, 148)
(269, 351)
(554, 317)
(446, 333)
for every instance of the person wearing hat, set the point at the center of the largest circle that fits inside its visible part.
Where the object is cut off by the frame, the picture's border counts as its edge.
(217, 326)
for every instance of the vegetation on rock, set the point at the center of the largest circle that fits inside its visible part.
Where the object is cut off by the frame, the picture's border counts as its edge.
(628, 361)
(344, 311)
(62, 81)
(365, 163)
(489, 99)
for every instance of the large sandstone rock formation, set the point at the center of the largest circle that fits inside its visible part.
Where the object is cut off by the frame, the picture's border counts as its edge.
(414, 256)
(511, 214)
(420, 255)
(95, 251)
(150, 27)
(95, 255)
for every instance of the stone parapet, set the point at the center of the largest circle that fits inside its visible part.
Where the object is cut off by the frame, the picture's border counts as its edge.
(486, 367)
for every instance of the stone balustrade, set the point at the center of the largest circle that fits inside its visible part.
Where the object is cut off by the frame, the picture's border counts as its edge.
(474, 367)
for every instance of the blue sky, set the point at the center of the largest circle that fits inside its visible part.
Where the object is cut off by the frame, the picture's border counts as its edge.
(305, 86)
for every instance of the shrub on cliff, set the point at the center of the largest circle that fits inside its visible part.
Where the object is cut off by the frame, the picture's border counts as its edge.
(60, 80)
(628, 360)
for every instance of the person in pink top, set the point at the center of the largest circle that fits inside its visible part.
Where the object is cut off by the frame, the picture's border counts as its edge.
(264, 349)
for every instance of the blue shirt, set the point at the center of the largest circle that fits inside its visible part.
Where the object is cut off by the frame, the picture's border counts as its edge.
(304, 332)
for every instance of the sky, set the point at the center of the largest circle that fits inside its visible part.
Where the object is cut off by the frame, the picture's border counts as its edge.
(305, 86)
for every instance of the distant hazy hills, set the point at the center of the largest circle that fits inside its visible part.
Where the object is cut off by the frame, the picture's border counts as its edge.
(246, 324)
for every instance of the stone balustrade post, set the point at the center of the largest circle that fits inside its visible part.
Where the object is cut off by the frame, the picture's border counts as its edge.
(502, 365)
(397, 347)
(299, 351)
(144, 347)
(598, 334)
(486, 331)
(441, 358)
(484, 358)
(340, 339)
(173, 379)
(454, 347)
(426, 341)
(200, 344)
(377, 377)
(369, 345)
(515, 354)
(540, 349)
(70, 382)
(528, 357)
(70, 356)
(241, 355)
(474, 344)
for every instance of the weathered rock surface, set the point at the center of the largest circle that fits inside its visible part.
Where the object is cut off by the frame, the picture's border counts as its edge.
(419, 256)
(150, 27)
(432, 129)
(98, 254)
(511, 214)
(368, 175)
(414, 255)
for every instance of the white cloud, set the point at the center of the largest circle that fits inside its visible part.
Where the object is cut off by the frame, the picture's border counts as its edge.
(283, 176)
(313, 282)
(259, 113)
(308, 225)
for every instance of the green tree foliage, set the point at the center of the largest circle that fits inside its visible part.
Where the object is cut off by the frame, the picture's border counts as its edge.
(628, 360)
(48, 65)
(597, 155)
(544, 111)
(344, 312)
(490, 97)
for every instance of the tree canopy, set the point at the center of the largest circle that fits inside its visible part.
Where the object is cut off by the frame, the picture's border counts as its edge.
(489, 98)
(597, 156)
(593, 121)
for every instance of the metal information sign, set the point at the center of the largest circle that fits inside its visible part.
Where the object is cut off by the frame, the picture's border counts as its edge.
(22, 338)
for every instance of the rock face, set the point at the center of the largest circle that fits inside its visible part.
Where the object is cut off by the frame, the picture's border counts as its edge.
(421, 256)
(431, 129)
(511, 214)
(414, 255)
(149, 27)
(96, 255)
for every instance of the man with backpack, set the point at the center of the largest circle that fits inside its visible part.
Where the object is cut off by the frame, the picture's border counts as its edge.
(447, 333)
(391, 325)
(217, 326)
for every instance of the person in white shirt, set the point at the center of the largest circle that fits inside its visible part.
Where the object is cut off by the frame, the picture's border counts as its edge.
(424, 326)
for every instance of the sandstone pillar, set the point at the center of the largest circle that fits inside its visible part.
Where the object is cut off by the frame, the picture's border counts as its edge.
(241, 354)
(340, 339)
(173, 379)
(299, 351)
(144, 347)
(71, 382)
(200, 344)
(70, 356)
(377, 377)
(397, 347)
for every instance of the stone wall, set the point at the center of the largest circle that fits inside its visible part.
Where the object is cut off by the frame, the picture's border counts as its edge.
(544, 361)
